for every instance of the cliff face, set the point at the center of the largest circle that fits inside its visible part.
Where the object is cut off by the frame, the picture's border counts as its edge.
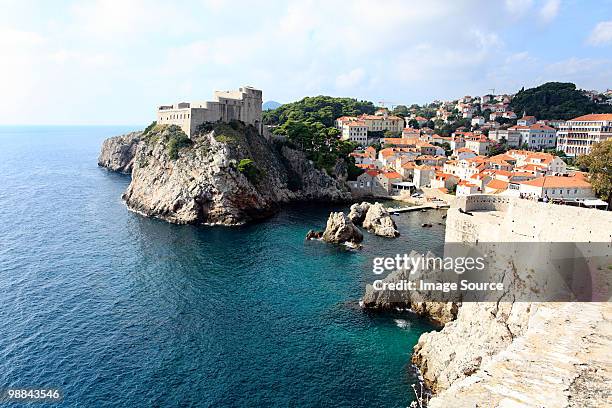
(117, 153)
(227, 176)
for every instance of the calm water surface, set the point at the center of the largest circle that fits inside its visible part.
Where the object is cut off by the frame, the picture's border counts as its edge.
(119, 310)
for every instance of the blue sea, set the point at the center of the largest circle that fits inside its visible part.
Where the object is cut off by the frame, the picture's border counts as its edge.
(118, 310)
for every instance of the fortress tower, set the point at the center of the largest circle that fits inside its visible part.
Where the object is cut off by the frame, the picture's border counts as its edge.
(243, 104)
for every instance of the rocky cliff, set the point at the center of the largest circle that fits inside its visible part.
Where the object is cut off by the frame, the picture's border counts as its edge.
(528, 354)
(117, 153)
(227, 174)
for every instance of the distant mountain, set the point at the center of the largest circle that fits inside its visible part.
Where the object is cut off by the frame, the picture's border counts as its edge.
(555, 100)
(270, 105)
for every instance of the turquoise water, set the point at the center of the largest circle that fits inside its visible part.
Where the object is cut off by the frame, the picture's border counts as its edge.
(119, 310)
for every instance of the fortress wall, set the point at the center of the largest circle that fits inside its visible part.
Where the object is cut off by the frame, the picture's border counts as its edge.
(509, 219)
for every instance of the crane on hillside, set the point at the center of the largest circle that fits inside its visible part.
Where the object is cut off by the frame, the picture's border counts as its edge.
(383, 103)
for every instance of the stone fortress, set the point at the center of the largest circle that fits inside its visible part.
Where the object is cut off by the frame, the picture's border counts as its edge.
(243, 104)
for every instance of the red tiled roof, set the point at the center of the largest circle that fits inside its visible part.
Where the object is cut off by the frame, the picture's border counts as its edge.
(498, 184)
(392, 175)
(558, 181)
(593, 117)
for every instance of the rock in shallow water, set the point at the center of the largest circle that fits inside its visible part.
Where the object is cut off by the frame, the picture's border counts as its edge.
(358, 212)
(340, 229)
(378, 221)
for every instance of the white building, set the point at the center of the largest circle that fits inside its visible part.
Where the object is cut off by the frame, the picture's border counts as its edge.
(243, 104)
(576, 136)
(537, 136)
(355, 132)
(480, 145)
(478, 120)
(512, 137)
(526, 120)
(560, 187)
(423, 175)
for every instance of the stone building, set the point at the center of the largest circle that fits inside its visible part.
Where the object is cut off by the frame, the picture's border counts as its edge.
(243, 104)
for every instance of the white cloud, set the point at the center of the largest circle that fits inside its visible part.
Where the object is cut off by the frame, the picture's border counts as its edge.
(601, 34)
(350, 79)
(518, 7)
(111, 61)
(550, 10)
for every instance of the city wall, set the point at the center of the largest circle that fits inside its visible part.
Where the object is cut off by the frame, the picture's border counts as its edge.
(509, 219)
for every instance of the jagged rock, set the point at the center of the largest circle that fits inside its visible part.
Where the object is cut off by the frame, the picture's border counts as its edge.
(379, 222)
(358, 212)
(340, 170)
(117, 153)
(340, 229)
(312, 234)
(204, 180)
(438, 312)
(480, 331)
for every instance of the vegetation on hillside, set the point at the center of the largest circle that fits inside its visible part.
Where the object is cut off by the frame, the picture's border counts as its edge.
(249, 169)
(177, 140)
(555, 100)
(321, 109)
(171, 135)
(599, 165)
(308, 125)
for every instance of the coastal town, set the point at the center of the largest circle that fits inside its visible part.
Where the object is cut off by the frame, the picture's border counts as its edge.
(430, 153)
(519, 155)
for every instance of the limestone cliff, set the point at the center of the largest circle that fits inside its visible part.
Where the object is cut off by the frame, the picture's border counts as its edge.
(117, 153)
(227, 174)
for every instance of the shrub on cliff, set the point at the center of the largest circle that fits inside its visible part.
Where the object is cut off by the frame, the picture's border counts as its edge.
(249, 169)
(232, 132)
(177, 139)
(149, 128)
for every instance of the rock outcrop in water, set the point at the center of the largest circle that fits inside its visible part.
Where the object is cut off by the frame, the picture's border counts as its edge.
(340, 229)
(439, 313)
(379, 222)
(358, 212)
(227, 174)
(117, 153)
(374, 218)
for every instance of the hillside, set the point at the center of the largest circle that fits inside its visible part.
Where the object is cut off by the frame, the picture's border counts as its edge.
(555, 100)
(323, 109)
(309, 125)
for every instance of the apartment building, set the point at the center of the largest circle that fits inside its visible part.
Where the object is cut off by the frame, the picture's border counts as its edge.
(576, 136)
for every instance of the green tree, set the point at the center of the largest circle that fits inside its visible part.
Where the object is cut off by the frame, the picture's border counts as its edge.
(413, 124)
(400, 110)
(599, 165)
(555, 100)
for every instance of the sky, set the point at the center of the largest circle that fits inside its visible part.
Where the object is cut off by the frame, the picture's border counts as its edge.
(113, 61)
